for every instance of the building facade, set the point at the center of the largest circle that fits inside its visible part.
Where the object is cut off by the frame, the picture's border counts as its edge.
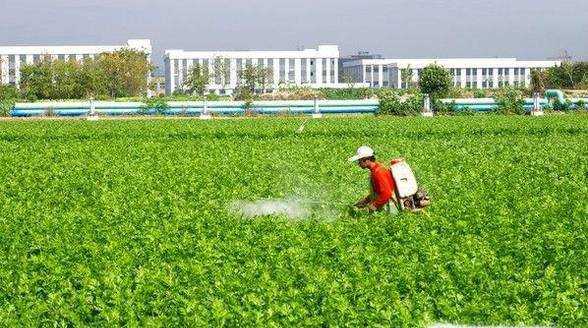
(13, 57)
(483, 73)
(309, 67)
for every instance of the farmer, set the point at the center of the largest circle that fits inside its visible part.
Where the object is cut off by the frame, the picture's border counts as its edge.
(382, 195)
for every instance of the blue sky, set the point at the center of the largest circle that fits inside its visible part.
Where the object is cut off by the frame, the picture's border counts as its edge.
(528, 29)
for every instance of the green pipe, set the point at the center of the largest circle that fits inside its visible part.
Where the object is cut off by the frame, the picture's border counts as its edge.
(554, 93)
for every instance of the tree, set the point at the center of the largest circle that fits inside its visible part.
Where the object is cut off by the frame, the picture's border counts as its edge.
(255, 77)
(66, 80)
(121, 73)
(36, 80)
(93, 81)
(406, 77)
(127, 72)
(221, 71)
(264, 77)
(348, 79)
(538, 80)
(435, 81)
(197, 80)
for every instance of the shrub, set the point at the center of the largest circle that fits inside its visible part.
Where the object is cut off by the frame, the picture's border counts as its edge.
(294, 93)
(479, 93)
(563, 107)
(465, 111)
(392, 104)
(8, 92)
(5, 106)
(8, 96)
(510, 101)
(441, 108)
(213, 97)
(355, 93)
(158, 104)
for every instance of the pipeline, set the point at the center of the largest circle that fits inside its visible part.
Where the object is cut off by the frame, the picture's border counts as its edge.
(557, 94)
(226, 108)
(234, 108)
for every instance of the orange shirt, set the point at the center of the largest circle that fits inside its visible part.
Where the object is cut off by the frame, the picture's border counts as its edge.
(382, 185)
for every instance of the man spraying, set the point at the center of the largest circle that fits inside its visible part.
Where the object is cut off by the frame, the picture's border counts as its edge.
(382, 196)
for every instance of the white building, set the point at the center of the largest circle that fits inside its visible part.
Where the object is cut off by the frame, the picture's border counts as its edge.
(13, 57)
(467, 72)
(310, 67)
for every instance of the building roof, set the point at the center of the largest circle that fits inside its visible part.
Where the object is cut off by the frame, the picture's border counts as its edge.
(322, 51)
(138, 44)
(454, 62)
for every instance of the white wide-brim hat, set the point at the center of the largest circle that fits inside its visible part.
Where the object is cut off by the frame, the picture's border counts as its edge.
(362, 152)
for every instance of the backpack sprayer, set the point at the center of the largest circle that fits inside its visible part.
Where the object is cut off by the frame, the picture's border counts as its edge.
(408, 194)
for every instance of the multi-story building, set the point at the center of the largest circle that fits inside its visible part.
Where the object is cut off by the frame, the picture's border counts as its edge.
(13, 57)
(466, 72)
(309, 67)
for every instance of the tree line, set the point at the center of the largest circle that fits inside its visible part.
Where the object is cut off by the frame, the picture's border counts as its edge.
(123, 73)
(570, 75)
(252, 79)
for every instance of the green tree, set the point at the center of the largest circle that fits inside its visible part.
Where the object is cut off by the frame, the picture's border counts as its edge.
(66, 80)
(122, 73)
(127, 72)
(221, 71)
(197, 80)
(93, 81)
(538, 80)
(348, 79)
(36, 80)
(255, 78)
(435, 81)
(406, 76)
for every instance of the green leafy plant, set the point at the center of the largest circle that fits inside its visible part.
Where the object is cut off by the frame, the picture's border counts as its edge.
(5, 106)
(441, 108)
(562, 106)
(136, 223)
(480, 93)
(158, 104)
(510, 101)
(8, 97)
(393, 104)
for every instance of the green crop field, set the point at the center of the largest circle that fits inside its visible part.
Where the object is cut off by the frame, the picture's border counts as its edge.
(133, 223)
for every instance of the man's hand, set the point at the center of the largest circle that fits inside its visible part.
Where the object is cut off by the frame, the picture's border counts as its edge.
(362, 203)
(371, 207)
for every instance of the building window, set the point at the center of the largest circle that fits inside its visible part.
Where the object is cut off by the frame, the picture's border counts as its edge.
(291, 67)
(324, 62)
(270, 67)
(303, 63)
(283, 73)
